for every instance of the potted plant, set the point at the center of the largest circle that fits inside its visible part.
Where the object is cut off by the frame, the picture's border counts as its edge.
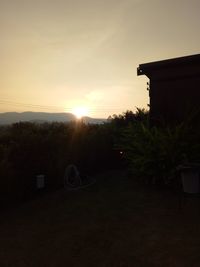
(189, 176)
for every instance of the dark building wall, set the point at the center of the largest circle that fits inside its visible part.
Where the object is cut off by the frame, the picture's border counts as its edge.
(174, 99)
(174, 88)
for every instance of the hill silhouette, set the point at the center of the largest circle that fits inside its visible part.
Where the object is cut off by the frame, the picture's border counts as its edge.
(40, 117)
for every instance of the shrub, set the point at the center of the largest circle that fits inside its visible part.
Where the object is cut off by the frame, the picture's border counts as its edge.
(155, 152)
(28, 149)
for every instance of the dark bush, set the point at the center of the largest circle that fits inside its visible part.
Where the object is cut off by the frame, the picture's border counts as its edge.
(28, 149)
(155, 152)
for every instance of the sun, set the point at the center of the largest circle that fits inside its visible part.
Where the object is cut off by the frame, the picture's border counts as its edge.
(80, 112)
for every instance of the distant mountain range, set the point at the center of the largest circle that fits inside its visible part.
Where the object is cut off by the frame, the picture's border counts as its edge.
(40, 117)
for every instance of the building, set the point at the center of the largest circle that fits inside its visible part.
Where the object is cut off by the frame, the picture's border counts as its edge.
(174, 88)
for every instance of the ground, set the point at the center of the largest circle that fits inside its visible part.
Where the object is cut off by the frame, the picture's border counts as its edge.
(114, 223)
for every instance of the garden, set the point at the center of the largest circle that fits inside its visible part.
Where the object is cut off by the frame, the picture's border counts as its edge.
(130, 217)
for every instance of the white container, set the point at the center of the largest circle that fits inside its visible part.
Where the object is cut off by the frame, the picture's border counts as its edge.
(190, 181)
(40, 181)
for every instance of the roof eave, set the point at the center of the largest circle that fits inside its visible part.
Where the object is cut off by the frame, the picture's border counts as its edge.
(146, 68)
(141, 71)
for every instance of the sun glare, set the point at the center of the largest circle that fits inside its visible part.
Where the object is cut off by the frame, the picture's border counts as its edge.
(80, 112)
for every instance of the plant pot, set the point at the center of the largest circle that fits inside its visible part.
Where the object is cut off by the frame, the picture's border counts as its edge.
(40, 184)
(190, 180)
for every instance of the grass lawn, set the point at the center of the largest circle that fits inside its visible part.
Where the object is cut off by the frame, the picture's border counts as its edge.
(115, 222)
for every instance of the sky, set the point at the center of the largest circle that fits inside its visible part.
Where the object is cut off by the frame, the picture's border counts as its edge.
(58, 55)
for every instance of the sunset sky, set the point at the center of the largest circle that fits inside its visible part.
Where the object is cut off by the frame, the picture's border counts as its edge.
(58, 55)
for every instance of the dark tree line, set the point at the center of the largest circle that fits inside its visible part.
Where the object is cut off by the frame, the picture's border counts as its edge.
(28, 149)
